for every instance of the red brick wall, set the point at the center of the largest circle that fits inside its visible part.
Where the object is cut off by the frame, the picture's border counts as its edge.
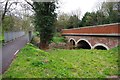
(100, 29)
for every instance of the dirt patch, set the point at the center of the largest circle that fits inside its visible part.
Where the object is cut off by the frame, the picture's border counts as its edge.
(57, 45)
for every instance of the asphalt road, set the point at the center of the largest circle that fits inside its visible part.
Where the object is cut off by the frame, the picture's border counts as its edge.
(10, 50)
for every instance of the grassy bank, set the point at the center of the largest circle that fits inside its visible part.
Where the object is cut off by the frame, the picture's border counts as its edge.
(34, 63)
(58, 38)
(1, 38)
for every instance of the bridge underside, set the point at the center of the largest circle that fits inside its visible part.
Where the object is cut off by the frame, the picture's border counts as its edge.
(83, 44)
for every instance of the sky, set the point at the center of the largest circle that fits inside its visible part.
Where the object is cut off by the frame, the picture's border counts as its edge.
(68, 6)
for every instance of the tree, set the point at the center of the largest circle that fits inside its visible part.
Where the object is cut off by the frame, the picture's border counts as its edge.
(66, 21)
(76, 12)
(45, 17)
(101, 18)
(27, 24)
(8, 21)
(7, 6)
(111, 10)
(15, 15)
(62, 22)
(5, 10)
(87, 19)
(94, 18)
(73, 22)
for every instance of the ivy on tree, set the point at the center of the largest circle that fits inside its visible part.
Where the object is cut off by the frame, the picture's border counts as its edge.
(45, 17)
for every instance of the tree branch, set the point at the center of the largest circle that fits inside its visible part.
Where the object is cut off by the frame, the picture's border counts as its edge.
(5, 10)
(30, 4)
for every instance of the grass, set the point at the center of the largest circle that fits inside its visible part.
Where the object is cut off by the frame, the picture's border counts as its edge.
(59, 63)
(58, 39)
(1, 38)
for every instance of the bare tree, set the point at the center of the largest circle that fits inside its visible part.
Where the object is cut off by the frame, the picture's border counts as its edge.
(30, 4)
(19, 12)
(7, 6)
(76, 12)
(5, 10)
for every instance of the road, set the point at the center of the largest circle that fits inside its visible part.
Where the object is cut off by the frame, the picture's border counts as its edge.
(10, 50)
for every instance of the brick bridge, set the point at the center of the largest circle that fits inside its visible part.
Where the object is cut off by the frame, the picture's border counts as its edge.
(94, 37)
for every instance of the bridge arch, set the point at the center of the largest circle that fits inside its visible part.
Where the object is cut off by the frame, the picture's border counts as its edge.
(100, 46)
(83, 43)
(72, 41)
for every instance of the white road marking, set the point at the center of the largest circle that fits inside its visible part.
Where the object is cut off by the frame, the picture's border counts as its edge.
(16, 52)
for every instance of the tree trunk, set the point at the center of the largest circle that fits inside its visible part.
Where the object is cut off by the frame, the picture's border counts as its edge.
(44, 46)
(5, 10)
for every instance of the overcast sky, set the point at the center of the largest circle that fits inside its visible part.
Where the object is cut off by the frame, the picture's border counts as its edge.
(67, 6)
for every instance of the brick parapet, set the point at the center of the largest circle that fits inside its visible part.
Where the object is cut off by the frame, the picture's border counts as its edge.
(98, 29)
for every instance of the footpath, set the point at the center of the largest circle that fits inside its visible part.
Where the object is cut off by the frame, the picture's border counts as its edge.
(9, 51)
